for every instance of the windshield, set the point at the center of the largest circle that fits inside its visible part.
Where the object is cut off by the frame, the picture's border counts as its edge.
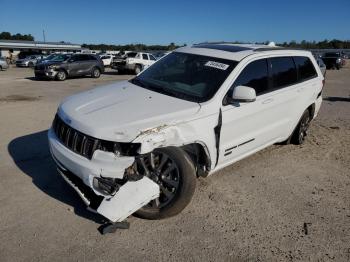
(187, 76)
(60, 58)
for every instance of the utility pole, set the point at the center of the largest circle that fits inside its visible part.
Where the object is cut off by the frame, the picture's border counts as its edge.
(44, 36)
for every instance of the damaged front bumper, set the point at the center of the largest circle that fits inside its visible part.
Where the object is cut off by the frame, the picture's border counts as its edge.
(82, 173)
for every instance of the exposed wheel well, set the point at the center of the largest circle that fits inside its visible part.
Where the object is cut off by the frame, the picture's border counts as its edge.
(200, 157)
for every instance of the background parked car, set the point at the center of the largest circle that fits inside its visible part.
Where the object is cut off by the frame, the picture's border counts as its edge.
(3, 64)
(333, 60)
(133, 61)
(107, 59)
(29, 61)
(63, 66)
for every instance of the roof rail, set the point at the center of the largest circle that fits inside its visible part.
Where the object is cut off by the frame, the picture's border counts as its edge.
(267, 48)
(219, 42)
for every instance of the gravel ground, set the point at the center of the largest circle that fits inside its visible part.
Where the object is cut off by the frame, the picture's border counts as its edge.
(286, 203)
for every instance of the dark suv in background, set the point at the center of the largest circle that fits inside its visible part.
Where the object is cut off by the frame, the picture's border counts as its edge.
(333, 60)
(67, 65)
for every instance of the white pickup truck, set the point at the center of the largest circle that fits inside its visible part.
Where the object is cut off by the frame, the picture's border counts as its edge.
(133, 61)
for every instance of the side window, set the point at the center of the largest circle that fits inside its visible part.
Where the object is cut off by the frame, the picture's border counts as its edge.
(306, 69)
(254, 75)
(144, 57)
(151, 57)
(74, 58)
(91, 57)
(284, 72)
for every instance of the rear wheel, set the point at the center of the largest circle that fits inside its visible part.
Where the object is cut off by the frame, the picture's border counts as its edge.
(172, 169)
(300, 132)
(31, 64)
(61, 75)
(95, 73)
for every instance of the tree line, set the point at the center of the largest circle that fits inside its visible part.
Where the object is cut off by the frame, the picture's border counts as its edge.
(325, 44)
(18, 36)
(131, 47)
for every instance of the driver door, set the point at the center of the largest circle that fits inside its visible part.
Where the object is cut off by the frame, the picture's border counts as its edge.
(245, 124)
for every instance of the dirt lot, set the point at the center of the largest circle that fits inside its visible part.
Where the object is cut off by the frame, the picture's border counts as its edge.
(287, 203)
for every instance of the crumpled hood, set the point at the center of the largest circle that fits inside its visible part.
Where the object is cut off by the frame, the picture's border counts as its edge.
(121, 111)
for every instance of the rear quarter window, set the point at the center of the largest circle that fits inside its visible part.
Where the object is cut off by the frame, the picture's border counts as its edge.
(306, 69)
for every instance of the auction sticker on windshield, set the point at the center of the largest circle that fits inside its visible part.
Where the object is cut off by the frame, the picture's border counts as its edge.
(216, 65)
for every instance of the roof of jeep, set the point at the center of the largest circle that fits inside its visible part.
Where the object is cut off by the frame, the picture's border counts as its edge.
(236, 51)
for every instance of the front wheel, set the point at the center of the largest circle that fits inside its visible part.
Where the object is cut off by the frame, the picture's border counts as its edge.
(172, 169)
(300, 132)
(95, 73)
(61, 75)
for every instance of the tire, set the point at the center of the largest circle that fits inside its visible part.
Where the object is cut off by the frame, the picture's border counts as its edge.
(138, 69)
(0, 68)
(337, 66)
(95, 73)
(300, 132)
(181, 180)
(31, 64)
(61, 75)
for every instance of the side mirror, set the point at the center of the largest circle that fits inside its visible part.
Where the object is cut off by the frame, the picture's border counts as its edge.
(243, 94)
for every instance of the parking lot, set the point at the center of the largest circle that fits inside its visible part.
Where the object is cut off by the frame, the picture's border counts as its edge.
(285, 203)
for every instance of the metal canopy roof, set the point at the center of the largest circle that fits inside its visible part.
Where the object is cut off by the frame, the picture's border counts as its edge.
(21, 44)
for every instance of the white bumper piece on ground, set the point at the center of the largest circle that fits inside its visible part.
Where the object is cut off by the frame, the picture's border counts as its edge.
(130, 198)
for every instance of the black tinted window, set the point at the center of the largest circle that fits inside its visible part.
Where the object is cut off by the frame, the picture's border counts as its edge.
(91, 57)
(144, 56)
(284, 72)
(306, 69)
(131, 54)
(151, 57)
(254, 75)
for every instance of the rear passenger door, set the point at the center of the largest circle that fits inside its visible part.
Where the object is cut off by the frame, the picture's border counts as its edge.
(308, 87)
(87, 63)
(74, 65)
(283, 94)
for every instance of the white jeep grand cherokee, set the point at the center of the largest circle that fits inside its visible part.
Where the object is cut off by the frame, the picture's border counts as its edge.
(138, 145)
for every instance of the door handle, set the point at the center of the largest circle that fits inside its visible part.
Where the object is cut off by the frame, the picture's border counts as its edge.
(267, 101)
